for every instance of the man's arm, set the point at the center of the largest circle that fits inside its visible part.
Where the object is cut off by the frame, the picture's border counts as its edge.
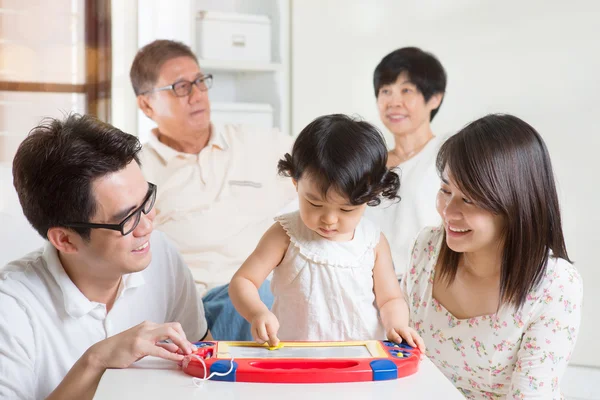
(81, 381)
(18, 378)
(120, 351)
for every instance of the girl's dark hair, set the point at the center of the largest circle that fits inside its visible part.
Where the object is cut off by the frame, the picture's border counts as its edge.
(503, 165)
(346, 155)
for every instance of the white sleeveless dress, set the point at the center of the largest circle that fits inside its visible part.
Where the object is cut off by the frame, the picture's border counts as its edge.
(324, 289)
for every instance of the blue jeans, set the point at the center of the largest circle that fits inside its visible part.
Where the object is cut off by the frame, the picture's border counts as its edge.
(224, 322)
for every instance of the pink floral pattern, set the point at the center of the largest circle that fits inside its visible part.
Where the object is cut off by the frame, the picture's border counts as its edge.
(508, 355)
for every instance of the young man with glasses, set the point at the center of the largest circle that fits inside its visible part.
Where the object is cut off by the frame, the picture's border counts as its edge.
(219, 184)
(105, 290)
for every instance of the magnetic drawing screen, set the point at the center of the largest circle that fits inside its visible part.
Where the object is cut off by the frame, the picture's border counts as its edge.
(301, 352)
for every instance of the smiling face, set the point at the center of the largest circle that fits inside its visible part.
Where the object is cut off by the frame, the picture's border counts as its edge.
(108, 252)
(402, 107)
(332, 217)
(469, 228)
(186, 116)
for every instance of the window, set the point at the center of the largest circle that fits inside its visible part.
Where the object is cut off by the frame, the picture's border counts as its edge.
(55, 58)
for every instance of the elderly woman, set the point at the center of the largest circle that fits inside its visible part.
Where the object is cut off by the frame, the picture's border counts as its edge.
(409, 86)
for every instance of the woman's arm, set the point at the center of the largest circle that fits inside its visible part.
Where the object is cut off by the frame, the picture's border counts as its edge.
(548, 342)
(243, 289)
(390, 299)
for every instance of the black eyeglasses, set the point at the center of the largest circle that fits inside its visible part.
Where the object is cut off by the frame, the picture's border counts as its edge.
(130, 222)
(184, 88)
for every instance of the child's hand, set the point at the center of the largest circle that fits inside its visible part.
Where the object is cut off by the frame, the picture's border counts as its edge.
(410, 336)
(264, 328)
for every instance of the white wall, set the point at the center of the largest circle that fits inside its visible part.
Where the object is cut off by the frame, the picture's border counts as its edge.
(539, 60)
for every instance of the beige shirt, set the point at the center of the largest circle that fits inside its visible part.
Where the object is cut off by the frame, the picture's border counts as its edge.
(216, 205)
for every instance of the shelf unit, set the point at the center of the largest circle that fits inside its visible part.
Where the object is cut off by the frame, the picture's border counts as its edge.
(236, 66)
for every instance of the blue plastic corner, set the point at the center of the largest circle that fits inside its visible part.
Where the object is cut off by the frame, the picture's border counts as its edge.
(222, 366)
(384, 370)
(403, 345)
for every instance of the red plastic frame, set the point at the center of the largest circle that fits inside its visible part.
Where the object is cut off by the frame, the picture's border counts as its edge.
(306, 370)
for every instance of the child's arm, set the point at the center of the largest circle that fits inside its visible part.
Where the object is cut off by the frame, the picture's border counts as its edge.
(390, 299)
(243, 289)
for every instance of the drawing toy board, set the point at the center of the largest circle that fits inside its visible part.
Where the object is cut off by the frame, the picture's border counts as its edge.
(304, 362)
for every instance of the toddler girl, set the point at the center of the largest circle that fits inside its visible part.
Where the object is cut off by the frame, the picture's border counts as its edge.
(333, 277)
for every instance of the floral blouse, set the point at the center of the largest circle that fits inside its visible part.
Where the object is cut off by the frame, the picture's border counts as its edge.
(507, 355)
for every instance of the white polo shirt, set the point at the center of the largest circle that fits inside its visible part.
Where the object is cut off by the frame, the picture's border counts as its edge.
(46, 323)
(216, 205)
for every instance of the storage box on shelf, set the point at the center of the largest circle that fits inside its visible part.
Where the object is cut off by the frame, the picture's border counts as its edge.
(233, 37)
(236, 49)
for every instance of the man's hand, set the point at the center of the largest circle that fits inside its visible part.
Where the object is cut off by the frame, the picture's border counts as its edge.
(264, 328)
(122, 350)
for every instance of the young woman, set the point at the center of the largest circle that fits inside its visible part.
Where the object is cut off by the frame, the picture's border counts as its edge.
(492, 292)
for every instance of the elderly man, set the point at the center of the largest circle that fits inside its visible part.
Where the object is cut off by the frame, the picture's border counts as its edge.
(219, 185)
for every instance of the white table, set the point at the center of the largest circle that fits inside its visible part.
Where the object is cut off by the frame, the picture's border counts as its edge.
(153, 378)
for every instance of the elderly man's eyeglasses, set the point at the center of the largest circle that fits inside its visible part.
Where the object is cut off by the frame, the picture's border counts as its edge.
(184, 88)
(130, 222)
